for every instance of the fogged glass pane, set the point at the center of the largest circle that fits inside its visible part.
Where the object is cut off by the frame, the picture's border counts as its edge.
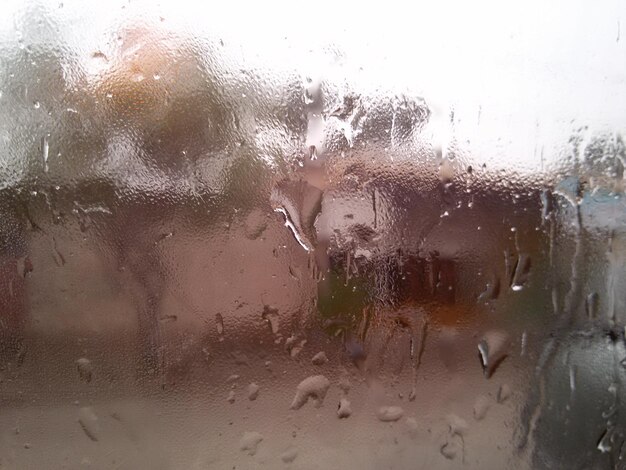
(315, 236)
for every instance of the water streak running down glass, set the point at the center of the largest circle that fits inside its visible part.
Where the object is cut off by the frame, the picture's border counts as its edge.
(312, 237)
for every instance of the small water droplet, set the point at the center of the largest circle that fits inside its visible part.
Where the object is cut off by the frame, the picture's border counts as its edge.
(389, 413)
(255, 224)
(219, 325)
(319, 359)
(85, 369)
(492, 349)
(504, 392)
(99, 56)
(411, 425)
(88, 420)
(604, 443)
(289, 455)
(168, 318)
(253, 391)
(344, 410)
(591, 305)
(156, 76)
(270, 314)
(314, 387)
(481, 406)
(491, 292)
(294, 346)
(451, 448)
(521, 272)
(446, 171)
(457, 425)
(250, 441)
(45, 149)
(36, 105)
(231, 397)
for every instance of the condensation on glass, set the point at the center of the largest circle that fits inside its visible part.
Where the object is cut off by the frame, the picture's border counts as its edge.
(321, 237)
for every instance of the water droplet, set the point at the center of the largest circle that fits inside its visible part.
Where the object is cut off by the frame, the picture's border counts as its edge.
(314, 387)
(344, 410)
(232, 378)
(270, 314)
(85, 369)
(411, 425)
(231, 397)
(457, 425)
(521, 272)
(255, 224)
(493, 349)
(481, 406)
(45, 149)
(446, 171)
(289, 455)
(491, 292)
(168, 318)
(36, 105)
(591, 305)
(156, 76)
(319, 359)
(294, 347)
(504, 392)
(451, 448)
(250, 442)
(389, 413)
(308, 97)
(253, 391)
(290, 225)
(219, 325)
(89, 422)
(99, 56)
(604, 443)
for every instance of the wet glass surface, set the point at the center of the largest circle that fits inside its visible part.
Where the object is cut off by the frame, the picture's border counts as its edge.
(330, 237)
